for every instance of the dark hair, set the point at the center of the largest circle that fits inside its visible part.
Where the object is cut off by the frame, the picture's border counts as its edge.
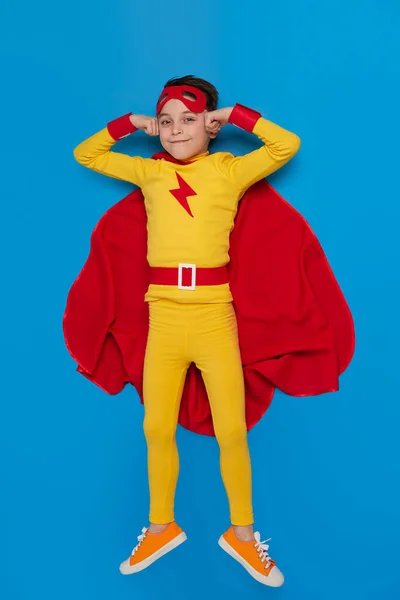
(209, 90)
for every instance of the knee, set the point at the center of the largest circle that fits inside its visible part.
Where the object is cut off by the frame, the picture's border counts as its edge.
(231, 436)
(157, 431)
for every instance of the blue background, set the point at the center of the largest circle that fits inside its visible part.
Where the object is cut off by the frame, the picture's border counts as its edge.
(326, 470)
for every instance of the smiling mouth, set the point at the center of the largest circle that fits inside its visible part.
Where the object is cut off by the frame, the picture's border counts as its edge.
(179, 141)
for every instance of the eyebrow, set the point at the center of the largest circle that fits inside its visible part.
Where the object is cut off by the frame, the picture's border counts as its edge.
(185, 112)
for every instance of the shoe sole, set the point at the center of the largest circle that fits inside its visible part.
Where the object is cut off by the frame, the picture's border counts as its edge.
(151, 559)
(264, 579)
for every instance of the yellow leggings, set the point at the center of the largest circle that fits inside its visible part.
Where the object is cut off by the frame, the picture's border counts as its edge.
(205, 334)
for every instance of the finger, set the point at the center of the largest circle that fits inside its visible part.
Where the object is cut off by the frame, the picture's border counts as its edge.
(213, 131)
(215, 126)
(152, 128)
(156, 127)
(210, 121)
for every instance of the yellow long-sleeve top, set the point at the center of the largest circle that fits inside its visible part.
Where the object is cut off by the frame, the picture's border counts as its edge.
(194, 225)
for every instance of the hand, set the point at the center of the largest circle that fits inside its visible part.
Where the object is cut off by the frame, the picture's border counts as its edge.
(147, 124)
(216, 119)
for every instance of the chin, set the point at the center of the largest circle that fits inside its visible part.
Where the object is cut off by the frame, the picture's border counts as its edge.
(181, 153)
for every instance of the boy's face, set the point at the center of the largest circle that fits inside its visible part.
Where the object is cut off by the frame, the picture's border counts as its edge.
(182, 132)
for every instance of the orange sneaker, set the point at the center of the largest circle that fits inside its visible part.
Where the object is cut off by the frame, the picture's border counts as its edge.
(151, 547)
(253, 556)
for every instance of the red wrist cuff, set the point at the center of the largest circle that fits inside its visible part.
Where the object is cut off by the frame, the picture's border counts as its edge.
(121, 127)
(244, 117)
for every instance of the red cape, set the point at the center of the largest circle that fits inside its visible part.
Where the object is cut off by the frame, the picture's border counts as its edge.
(296, 331)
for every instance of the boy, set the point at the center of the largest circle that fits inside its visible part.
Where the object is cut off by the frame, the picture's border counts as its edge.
(191, 202)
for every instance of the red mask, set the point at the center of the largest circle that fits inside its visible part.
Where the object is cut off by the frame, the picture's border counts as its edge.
(197, 105)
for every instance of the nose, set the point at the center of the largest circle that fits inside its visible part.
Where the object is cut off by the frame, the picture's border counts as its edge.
(176, 129)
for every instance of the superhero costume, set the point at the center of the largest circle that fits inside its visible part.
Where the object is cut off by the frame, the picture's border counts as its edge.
(296, 331)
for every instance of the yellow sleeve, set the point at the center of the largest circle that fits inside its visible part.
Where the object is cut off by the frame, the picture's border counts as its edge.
(94, 153)
(280, 145)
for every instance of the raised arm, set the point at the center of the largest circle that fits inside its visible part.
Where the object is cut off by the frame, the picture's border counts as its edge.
(280, 145)
(95, 152)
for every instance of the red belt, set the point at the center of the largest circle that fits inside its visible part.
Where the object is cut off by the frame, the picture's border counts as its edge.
(187, 277)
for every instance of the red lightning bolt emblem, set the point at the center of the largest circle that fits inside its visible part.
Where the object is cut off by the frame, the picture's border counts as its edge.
(182, 193)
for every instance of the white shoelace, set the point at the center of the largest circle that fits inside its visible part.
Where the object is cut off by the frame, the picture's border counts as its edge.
(140, 540)
(262, 549)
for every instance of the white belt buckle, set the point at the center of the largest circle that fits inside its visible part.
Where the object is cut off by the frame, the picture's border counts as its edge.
(182, 266)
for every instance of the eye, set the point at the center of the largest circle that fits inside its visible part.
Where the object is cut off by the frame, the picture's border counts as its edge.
(165, 122)
(189, 119)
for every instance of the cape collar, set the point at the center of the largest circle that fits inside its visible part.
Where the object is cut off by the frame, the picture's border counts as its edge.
(169, 158)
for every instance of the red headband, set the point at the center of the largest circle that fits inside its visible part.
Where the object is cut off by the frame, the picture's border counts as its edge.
(198, 105)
